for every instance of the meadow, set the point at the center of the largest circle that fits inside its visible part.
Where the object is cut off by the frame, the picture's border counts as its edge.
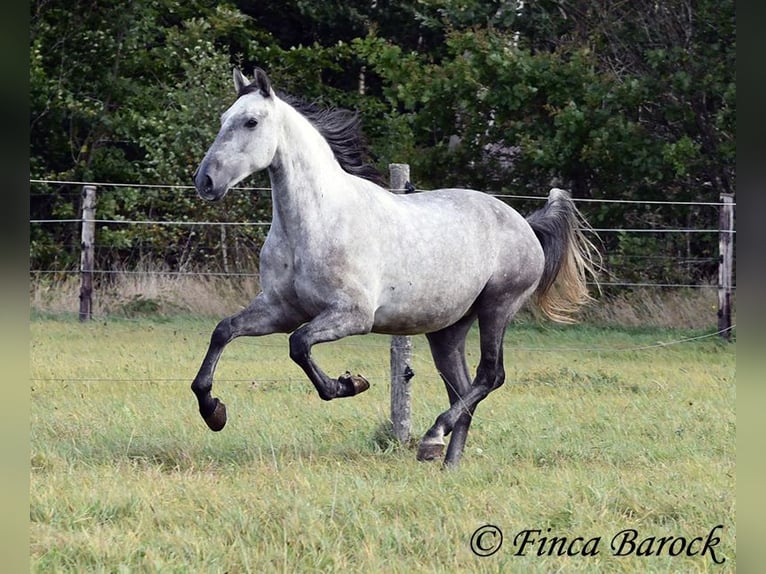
(597, 431)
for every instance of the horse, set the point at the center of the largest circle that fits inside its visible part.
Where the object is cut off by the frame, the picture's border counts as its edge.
(344, 256)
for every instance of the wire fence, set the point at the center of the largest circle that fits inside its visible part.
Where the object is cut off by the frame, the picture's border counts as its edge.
(612, 279)
(668, 258)
(268, 189)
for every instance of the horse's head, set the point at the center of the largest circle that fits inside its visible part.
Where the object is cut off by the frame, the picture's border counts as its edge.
(246, 142)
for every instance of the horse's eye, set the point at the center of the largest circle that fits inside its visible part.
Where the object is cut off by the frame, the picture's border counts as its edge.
(251, 123)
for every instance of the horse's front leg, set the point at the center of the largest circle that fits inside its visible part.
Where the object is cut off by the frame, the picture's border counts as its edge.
(331, 325)
(259, 318)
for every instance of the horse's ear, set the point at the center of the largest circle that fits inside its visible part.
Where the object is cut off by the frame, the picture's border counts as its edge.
(240, 81)
(262, 81)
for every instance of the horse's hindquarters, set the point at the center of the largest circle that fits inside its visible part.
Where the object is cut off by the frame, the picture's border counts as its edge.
(453, 247)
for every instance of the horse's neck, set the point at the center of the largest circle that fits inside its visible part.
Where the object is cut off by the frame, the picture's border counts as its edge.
(306, 180)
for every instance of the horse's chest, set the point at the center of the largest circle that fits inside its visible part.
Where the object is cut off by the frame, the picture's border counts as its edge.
(306, 276)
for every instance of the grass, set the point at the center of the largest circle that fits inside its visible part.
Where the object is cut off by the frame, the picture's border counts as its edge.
(597, 430)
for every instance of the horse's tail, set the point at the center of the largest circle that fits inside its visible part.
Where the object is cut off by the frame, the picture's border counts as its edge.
(570, 257)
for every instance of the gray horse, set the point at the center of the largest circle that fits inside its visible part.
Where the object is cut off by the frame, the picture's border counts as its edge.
(345, 257)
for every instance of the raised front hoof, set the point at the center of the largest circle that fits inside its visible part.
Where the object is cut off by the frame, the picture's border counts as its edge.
(354, 383)
(217, 419)
(430, 451)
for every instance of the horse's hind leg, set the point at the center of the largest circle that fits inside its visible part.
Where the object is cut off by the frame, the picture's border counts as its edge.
(259, 318)
(490, 375)
(448, 351)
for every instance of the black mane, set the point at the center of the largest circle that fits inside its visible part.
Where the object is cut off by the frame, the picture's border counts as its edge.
(340, 128)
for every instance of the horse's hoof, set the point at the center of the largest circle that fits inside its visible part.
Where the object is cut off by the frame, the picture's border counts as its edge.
(430, 451)
(357, 382)
(217, 419)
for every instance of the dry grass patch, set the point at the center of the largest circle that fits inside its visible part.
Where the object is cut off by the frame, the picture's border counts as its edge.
(154, 291)
(688, 308)
(151, 291)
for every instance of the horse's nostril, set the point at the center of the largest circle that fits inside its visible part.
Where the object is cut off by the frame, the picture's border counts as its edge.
(203, 182)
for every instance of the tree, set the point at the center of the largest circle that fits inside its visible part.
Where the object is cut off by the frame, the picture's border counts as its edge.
(623, 100)
(609, 102)
(117, 95)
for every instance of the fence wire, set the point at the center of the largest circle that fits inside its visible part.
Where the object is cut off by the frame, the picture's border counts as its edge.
(264, 224)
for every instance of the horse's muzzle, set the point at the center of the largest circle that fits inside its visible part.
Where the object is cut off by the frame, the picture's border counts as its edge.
(206, 188)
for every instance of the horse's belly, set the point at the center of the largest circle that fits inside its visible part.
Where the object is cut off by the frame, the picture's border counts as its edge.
(396, 323)
(412, 311)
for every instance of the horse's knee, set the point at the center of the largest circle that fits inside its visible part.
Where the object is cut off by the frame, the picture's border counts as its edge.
(491, 375)
(222, 333)
(299, 348)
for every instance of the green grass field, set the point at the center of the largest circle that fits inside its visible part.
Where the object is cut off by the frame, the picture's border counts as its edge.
(596, 431)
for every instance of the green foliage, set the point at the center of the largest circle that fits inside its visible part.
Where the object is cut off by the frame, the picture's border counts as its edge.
(117, 127)
(619, 102)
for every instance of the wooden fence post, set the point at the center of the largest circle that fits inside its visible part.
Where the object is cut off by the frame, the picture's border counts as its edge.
(725, 264)
(86, 255)
(224, 249)
(401, 346)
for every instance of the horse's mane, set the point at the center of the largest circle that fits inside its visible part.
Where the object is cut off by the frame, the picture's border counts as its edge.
(341, 129)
